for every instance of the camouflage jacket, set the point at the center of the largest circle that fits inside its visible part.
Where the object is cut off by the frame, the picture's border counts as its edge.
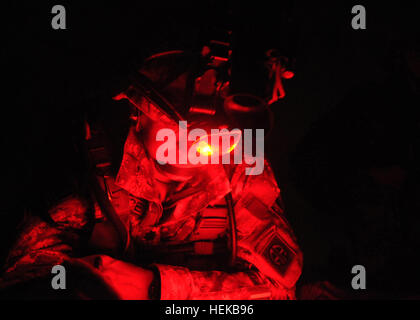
(269, 259)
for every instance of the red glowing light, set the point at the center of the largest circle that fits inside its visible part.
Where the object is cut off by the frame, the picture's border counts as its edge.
(288, 74)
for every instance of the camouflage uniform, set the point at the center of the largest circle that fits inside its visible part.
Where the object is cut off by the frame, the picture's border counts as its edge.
(269, 261)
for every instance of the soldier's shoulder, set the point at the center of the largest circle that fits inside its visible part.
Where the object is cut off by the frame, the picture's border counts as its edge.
(263, 186)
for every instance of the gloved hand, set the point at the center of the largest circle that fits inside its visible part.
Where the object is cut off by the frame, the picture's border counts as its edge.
(118, 279)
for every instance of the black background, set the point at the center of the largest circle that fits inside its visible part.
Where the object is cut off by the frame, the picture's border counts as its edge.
(345, 81)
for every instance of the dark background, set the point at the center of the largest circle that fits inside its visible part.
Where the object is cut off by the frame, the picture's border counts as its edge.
(343, 148)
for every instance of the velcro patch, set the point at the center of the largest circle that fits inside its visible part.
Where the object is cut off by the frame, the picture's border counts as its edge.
(278, 254)
(256, 207)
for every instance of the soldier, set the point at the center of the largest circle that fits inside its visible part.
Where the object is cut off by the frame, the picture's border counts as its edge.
(170, 231)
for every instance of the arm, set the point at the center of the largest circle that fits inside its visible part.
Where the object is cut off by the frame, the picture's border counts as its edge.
(41, 244)
(270, 259)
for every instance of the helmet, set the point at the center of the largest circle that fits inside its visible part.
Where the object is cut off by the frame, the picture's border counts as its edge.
(181, 91)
